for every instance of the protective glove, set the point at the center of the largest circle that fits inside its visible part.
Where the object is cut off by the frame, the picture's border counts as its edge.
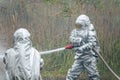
(41, 63)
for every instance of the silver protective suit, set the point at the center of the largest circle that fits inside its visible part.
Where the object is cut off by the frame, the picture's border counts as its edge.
(22, 61)
(84, 40)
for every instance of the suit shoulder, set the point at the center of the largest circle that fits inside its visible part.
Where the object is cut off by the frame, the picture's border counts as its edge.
(73, 30)
(92, 33)
(9, 50)
(35, 50)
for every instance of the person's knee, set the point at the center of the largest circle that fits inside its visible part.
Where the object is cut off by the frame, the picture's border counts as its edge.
(72, 75)
(71, 78)
(94, 77)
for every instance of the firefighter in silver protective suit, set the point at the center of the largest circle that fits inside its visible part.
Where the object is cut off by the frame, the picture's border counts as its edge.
(84, 40)
(23, 62)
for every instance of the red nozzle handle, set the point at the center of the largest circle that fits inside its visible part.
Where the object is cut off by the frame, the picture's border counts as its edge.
(70, 46)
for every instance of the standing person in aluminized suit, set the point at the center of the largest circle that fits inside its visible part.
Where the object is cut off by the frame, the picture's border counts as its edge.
(85, 39)
(22, 61)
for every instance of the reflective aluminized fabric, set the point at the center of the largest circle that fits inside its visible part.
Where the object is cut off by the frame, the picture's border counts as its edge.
(22, 61)
(85, 40)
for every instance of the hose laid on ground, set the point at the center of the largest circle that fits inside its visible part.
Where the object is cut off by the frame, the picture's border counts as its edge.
(107, 65)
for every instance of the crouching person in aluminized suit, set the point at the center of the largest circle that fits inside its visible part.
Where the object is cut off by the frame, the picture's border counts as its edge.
(85, 39)
(22, 61)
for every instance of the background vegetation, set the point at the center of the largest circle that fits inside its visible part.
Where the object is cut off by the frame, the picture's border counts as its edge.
(50, 23)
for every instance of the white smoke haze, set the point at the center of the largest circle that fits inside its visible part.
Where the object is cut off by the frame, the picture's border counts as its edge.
(3, 47)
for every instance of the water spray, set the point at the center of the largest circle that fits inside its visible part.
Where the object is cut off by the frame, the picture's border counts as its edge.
(57, 50)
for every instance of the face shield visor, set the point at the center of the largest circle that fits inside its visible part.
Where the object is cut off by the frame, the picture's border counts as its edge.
(78, 26)
(21, 35)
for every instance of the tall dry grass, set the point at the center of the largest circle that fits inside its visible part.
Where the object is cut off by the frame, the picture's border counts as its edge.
(50, 23)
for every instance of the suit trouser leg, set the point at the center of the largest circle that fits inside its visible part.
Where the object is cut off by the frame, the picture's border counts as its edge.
(75, 70)
(91, 67)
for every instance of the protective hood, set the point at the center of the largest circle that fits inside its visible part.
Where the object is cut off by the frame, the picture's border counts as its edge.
(23, 61)
(83, 20)
(22, 39)
(23, 47)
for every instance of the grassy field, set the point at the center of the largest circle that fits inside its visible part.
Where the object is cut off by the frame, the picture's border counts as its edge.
(50, 23)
